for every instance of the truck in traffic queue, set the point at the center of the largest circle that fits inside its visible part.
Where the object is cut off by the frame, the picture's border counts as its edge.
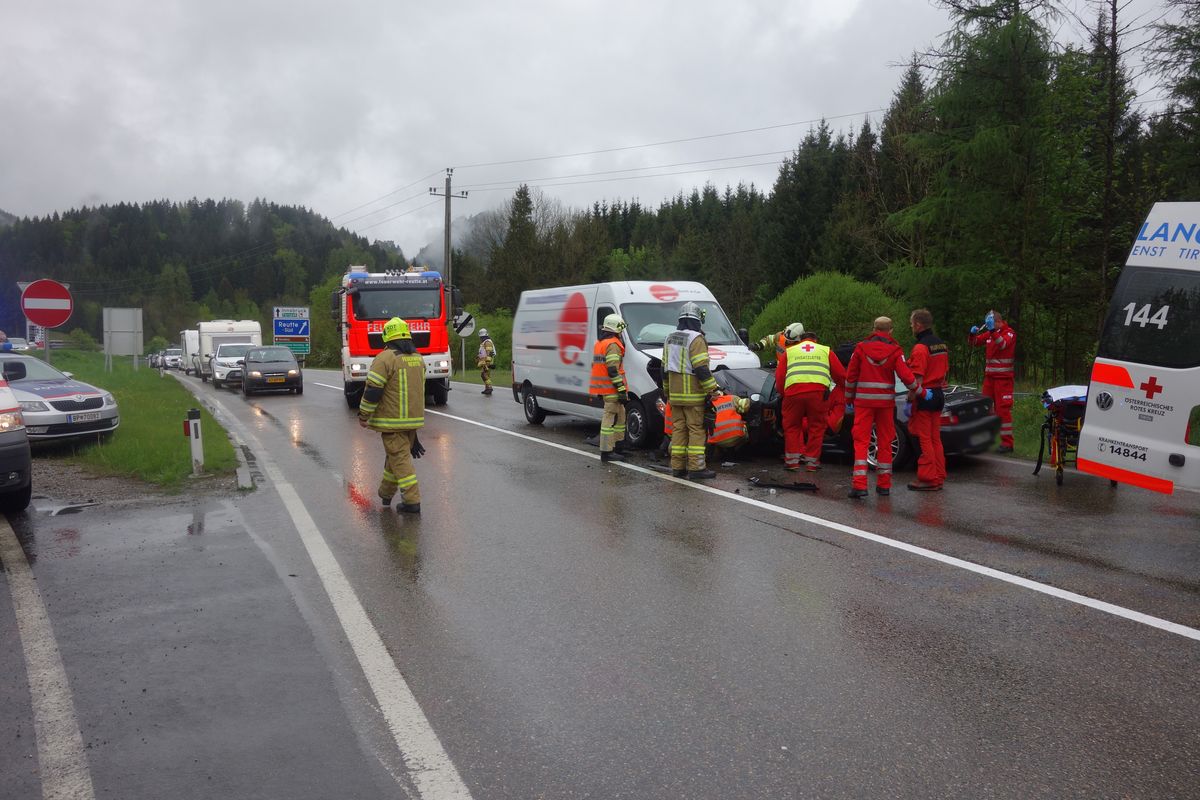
(366, 300)
(555, 330)
(1142, 420)
(214, 333)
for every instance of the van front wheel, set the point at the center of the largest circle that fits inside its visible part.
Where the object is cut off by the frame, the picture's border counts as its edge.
(641, 429)
(533, 412)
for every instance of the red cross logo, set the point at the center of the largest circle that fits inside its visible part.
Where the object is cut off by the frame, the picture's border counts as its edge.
(807, 347)
(1151, 387)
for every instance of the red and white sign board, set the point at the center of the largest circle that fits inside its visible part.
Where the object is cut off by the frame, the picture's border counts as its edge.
(47, 303)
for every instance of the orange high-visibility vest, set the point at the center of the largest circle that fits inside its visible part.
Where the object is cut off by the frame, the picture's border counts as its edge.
(601, 383)
(730, 428)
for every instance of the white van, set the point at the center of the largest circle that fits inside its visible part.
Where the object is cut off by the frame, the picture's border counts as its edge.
(555, 330)
(1142, 424)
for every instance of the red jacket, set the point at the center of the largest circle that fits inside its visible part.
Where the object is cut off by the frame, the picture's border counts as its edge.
(930, 360)
(874, 367)
(999, 357)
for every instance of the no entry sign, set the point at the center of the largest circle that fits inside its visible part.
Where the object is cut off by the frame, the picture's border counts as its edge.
(46, 303)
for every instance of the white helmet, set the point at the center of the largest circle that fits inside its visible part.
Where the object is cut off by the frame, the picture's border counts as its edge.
(613, 323)
(483, 333)
(794, 331)
(690, 310)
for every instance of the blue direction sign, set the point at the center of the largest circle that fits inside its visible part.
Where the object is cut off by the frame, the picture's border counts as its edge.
(291, 327)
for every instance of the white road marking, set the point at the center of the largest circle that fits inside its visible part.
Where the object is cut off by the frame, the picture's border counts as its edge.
(62, 764)
(327, 386)
(933, 555)
(429, 766)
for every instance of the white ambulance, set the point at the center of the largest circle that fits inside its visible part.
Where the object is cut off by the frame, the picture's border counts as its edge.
(555, 330)
(1142, 424)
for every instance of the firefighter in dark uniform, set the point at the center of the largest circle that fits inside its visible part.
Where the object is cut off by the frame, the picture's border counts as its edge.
(608, 382)
(687, 386)
(485, 359)
(393, 403)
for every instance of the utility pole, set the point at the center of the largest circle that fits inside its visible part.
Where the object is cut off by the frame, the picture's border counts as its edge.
(449, 195)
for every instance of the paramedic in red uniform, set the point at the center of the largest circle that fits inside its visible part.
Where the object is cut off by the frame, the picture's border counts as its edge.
(871, 397)
(1000, 342)
(929, 362)
(804, 378)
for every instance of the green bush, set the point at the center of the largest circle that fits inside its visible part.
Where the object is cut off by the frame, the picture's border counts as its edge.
(80, 339)
(836, 307)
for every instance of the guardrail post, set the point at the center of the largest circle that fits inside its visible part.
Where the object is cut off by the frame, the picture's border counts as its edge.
(192, 430)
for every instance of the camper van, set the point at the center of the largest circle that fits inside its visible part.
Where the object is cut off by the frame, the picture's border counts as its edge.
(215, 333)
(1142, 424)
(555, 330)
(189, 342)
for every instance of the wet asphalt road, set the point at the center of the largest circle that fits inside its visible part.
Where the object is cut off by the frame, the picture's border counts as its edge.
(579, 630)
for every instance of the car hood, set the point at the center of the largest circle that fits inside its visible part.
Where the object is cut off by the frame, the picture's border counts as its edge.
(53, 390)
(272, 366)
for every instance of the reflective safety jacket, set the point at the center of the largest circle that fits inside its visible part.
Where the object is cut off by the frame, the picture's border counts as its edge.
(930, 360)
(1000, 353)
(729, 428)
(874, 367)
(608, 367)
(394, 398)
(808, 367)
(685, 359)
(486, 355)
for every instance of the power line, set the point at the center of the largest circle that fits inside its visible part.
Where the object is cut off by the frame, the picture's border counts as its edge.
(628, 177)
(389, 194)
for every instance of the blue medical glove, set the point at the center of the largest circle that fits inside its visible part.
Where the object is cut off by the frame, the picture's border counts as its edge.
(908, 409)
(929, 394)
(849, 408)
(989, 321)
(974, 329)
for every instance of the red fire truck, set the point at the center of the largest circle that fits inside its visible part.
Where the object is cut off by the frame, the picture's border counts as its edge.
(366, 300)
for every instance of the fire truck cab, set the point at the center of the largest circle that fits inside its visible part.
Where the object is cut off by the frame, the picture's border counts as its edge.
(366, 300)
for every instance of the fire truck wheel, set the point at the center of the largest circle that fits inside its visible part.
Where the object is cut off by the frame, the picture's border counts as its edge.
(440, 393)
(533, 412)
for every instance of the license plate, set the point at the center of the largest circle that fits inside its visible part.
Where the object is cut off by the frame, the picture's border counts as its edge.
(980, 438)
(275, 380)
(90, 416)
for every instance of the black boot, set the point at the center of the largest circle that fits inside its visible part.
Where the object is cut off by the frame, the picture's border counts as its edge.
(486, 390)
(612, 455)
(701, 474)
(409, 508)
(679, 473)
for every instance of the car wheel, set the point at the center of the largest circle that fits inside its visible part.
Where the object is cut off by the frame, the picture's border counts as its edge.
(18, 500)
(246, 390)
(534, 414)
(642, 429)
(353, 393)
(204, 377)
(217, 384)
(901, 450)
(299, 389)
(439, 392)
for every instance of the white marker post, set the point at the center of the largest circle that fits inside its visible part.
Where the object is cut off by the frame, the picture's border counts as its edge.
(191, 429)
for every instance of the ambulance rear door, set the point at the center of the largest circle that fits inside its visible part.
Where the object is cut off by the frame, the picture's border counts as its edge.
(1142, 424)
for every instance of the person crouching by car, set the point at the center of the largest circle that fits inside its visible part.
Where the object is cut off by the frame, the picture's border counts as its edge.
(930, 361)
(804, 378)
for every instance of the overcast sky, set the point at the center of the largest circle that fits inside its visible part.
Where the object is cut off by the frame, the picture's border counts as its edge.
(354, 109)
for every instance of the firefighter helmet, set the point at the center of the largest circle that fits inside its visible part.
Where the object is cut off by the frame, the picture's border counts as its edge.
(794, 331)
(395, 328)
(613, 323)
(690, 310)
(483, 334)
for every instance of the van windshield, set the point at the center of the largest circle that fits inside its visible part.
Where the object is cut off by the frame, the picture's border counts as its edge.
(649, 323)
(1154, 318)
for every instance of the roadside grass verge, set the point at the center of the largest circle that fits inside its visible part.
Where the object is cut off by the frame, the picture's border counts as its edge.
(150, 443)
(501, 378)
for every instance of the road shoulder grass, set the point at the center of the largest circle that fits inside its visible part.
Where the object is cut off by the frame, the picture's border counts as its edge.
(150, 445)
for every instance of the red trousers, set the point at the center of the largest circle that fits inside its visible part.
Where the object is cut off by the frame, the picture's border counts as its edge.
(797, 408)
(927, 427)
(1000, 389)
(883, 420)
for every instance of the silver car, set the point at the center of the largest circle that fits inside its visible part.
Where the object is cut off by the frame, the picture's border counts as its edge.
(55, 405)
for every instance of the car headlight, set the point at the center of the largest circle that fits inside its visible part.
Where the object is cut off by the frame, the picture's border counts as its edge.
(357, 367)
(109, 400)
(443, 364)
(33, 405)
(293, 372)
(255, 373)
(12, 420)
